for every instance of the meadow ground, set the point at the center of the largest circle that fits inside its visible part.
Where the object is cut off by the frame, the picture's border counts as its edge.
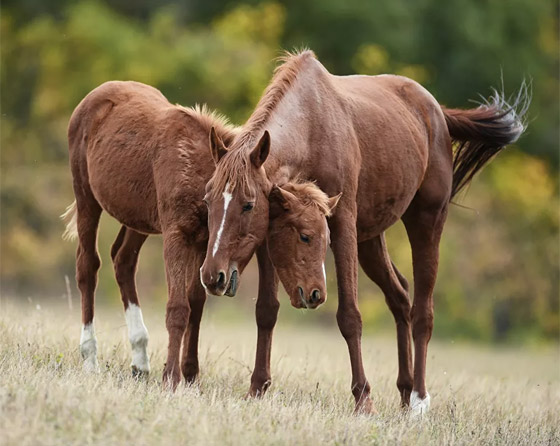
(480, 395)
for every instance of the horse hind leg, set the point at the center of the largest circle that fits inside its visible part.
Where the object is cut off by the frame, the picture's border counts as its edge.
(424, 221)
(124, 252)
(375, 261)
(87, 266)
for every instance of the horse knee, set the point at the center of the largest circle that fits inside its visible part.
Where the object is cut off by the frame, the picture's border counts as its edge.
(422, 323)
(267, 314)
(177, 316)
(349, 322)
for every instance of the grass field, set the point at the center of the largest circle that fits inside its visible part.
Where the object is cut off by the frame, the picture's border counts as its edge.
(479, 395)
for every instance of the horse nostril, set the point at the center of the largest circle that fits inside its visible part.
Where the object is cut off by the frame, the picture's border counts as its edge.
(315, 296)
(221, 279)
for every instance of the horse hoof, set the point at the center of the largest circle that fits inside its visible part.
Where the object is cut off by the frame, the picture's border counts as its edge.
(91, 365)
(419, 407)
(139, 374)
(365, 407)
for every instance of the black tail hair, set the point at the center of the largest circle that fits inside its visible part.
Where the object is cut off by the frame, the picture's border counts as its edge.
(482, 132)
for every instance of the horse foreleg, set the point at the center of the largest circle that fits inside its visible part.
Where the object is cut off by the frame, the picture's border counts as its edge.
(175, 255)
(375, 261)
(197, 298)
(124, 252)
(344, 247)
(266, 314)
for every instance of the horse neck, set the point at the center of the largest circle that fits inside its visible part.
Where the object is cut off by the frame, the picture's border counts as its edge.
(292, 125)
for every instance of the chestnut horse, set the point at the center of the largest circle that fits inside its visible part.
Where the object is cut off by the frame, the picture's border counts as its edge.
(385, 143)
(146, 163)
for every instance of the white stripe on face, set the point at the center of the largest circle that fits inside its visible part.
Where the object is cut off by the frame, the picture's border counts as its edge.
(227, 198)
(327, 243)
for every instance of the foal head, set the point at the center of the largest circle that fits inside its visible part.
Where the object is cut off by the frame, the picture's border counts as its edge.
(244, 206)
(298, 237)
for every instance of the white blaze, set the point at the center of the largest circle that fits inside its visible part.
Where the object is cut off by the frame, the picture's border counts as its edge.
(327, 243)
(227, 198)
(88, 348)
(138, 336)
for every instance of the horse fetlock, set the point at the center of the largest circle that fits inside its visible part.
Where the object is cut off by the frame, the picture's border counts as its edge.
(419, 406)
(138, 336)
(365, 406)
(88, 349)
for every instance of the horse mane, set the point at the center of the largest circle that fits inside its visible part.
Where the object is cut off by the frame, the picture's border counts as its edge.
(234, 167)
(310, 194)
(284, 77)
(211, 118)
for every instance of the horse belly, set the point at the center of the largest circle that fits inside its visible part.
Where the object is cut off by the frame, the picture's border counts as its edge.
(386, 190)
(123, 185)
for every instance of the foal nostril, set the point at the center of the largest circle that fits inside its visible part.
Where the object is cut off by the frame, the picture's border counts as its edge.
(221, 279)
(315, 296)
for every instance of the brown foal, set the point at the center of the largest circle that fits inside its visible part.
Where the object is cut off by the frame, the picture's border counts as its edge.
(385, 143)
(146, 163)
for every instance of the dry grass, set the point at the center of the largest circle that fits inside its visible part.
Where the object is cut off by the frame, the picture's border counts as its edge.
(479, 395)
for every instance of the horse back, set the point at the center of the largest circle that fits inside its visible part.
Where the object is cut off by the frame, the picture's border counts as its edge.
(402, 134)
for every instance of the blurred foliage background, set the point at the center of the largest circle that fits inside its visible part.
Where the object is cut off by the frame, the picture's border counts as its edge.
(499, 268)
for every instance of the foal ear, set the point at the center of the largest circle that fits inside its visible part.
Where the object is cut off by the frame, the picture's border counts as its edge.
(216, 146)
(333, 201)
(260, 152)
(278, 200)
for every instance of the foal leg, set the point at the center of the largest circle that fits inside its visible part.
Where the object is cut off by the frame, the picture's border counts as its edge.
(344, 247)
(175, 255)
(87, 266)
(124, 253)
(375, 261)
(197, 298)
(266, 313)
(424, 225)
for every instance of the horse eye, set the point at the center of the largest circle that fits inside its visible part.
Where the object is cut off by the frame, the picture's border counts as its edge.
(304, 238)
(248, 207)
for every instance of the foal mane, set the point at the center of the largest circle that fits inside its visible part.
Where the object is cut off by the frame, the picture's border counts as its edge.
(310, 194)
(234, 167)
(211, 118)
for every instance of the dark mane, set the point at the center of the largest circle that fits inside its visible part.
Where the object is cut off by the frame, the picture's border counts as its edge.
(234, 167)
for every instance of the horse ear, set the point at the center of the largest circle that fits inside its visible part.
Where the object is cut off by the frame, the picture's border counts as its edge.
(333, 201)
(278, 201)
(260, 152)
(216, 146)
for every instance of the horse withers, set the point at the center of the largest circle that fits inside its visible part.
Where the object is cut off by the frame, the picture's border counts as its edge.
(146, 163)
(385, 143)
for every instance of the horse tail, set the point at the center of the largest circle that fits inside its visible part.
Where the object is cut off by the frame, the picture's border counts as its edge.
(70, 217)
(482, 132)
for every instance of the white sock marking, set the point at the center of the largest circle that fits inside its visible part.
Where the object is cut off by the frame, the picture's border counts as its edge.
(138, 336)
(88, 348)
(227, 198)
(418, 406)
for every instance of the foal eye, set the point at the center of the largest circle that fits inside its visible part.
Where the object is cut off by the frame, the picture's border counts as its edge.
(304, 238)
(247, 207)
